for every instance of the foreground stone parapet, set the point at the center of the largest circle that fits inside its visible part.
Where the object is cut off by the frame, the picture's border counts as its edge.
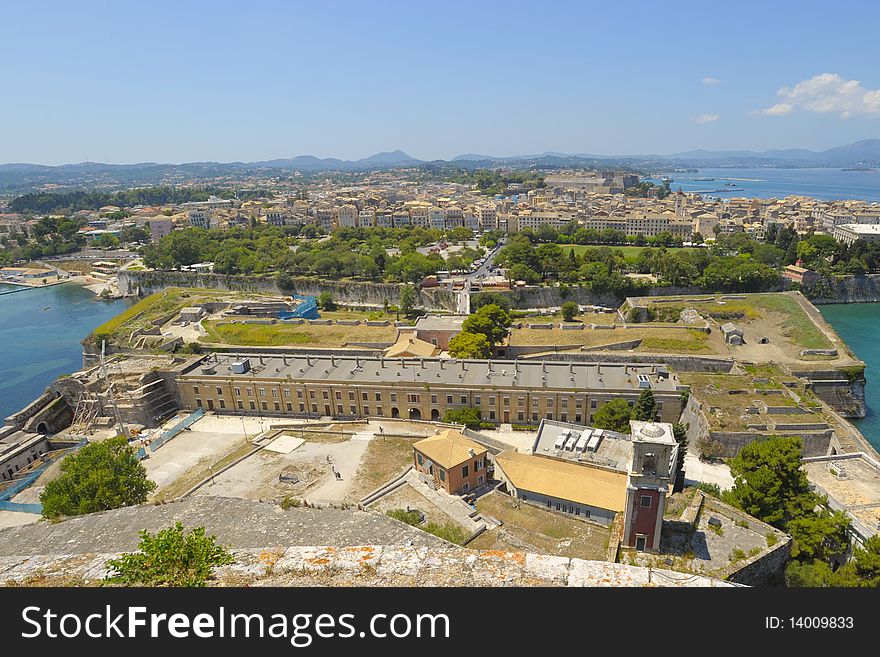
(371, 565)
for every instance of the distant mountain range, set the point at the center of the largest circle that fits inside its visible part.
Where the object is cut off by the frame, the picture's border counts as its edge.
(860, 152)
(17, 178)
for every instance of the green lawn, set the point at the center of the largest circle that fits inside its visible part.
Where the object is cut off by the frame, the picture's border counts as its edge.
(279, 335)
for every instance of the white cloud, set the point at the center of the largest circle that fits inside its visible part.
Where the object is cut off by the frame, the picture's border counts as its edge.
(710, 81)
(705, 118)
(827, 93)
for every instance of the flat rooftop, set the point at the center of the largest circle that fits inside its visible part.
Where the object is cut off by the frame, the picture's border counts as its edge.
(440, 322)
(501, 373)
(614, 450)
(852, 484)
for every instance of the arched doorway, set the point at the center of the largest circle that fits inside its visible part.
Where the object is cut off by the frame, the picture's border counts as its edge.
(435, 415)
(395, 412)
(42, 428)
(415, 414)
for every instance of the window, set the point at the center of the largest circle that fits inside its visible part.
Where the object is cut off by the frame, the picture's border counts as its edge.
(592, 403)
(350, 395)
(339, 409)
(366, 410)
(464, 399)
(237, 392)
(253, 406)
(262, 392)
(478, 465)
(521, 402)
(379, 411)
(299, 394)
(265, 406)
(442, 474)
(314, 408)
(378, 396)
(433, 399)
(464, 471)
(302, 407)
(287, 393)
(277, 406)
(240, 405)
(222, 403)
(364, 396)
(477, 400)
(311, 394)
(338, 395)
(250, 392)
(564, 403)
(448, 399)
(199, 403)
(465, 487)
(326, 394)
(491, 415)
(219, 390)
(641, 542)
(394, 396)
(534, 417)
(419, 458)
(413, 399)
(195, 390)
(353, 410)
(480, 480)
(491, 401)
(520, 416)
(564, 417)
(645, 501)
(549, 415)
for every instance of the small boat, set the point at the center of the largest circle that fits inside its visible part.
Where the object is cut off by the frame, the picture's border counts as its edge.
(48, 308)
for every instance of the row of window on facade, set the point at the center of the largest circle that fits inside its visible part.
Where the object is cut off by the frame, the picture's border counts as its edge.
(416, 398)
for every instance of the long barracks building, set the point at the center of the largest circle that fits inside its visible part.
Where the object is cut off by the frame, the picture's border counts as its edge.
(508, 391)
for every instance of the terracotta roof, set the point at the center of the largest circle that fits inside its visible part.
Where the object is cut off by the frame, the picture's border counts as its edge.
(563, 480)
(449, 448)
(408, 345)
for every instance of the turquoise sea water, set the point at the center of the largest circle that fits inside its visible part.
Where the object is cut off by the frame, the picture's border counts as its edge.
(40, 333)
(826, 184)
(856, 323)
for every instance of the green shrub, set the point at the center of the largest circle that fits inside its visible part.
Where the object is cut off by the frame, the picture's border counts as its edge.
(409, 517)
(170, 558)
(290, 503)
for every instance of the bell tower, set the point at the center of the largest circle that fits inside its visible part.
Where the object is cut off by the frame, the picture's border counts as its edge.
(651, 471)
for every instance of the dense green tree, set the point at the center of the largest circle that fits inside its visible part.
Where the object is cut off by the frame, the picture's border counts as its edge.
(645, 408)
(570, 310)
(490, 320)
(470, 345)
(769, 482)
(408, 300)
(100, 476)
(325, 301)
(613, 415)
(470, 417)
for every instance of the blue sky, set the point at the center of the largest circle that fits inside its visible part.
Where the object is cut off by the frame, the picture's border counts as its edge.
(183, 81)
